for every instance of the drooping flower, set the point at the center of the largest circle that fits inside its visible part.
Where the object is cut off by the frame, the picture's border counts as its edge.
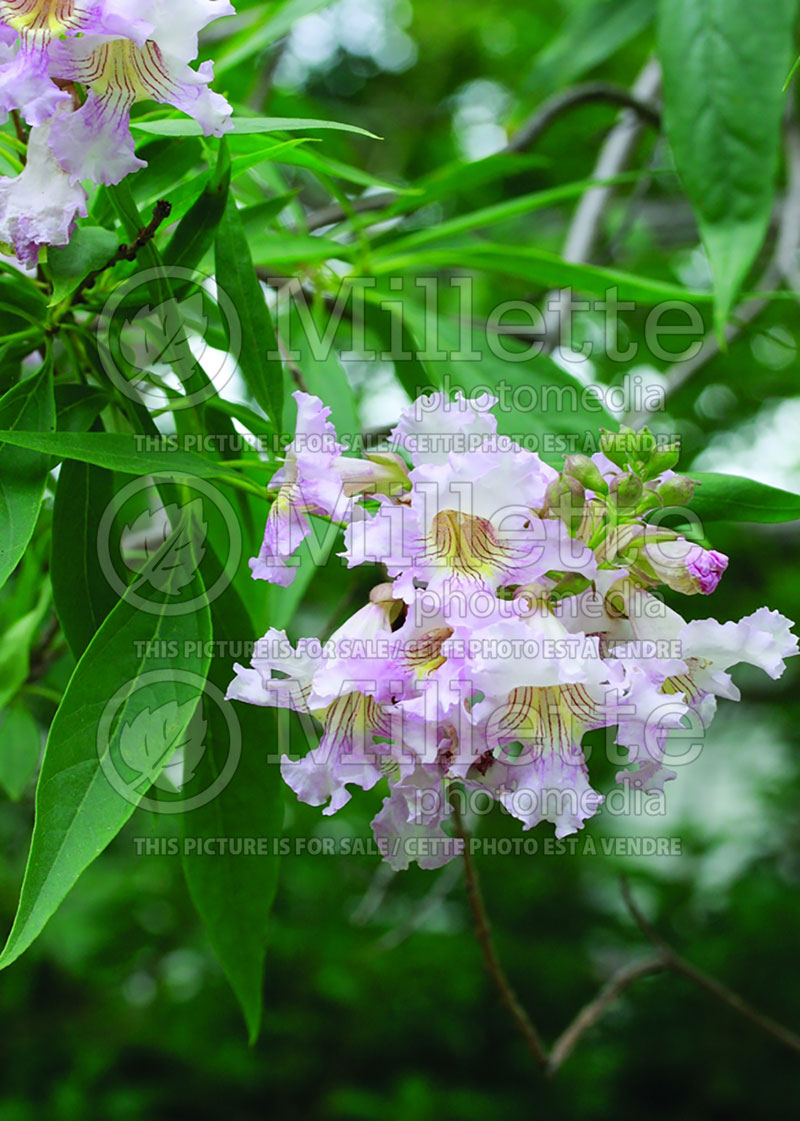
(520, 614)
(315, 479)
(39, 207)
(121, 52)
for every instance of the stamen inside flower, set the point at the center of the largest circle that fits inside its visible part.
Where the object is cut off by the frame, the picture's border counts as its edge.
(466, 544)
(543, 718)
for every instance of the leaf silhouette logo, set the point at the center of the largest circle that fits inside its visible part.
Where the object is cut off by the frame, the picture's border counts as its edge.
(182, 765)
(156, 336)
(150, 737)
(145, 536)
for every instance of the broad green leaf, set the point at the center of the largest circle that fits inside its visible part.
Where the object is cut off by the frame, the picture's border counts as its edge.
(123, 452)
(20, 748)
(81, 594)
(87, 790)
(731, 498)
(245, 126)
(233, 892)
(28, 406)
(236, 275)
(90, 248)
(724, 64)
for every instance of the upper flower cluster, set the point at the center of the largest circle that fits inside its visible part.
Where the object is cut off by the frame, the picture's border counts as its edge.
(521, 611)
(118, 51)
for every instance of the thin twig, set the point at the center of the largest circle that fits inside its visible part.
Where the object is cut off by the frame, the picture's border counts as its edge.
(586, 93)
(592, 1012)
(733, 1001)
(484, 935)
(161, 211)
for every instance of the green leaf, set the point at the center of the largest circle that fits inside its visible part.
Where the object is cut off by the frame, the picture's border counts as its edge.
(78, 406)
(81, 594)
(28, 405)
(123, 452)
(541, 268)
(731, 498)
(245, 126)
(724, 64)
(90, 248)
(540, 404)
(125, 689)
(21, 747)
(593, 34)
(15, 647)
(236, 275)
(195, 232)
(233, 891)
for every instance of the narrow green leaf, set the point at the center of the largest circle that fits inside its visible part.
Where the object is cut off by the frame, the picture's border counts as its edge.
(245, 126)
(233, 891)
(724, 64)
(731, 498)
(124, 711)
(123, 452)
(82, 595)
(28, 405)
(21, 747)
(236, 275)
(195, 232)
(15, 647)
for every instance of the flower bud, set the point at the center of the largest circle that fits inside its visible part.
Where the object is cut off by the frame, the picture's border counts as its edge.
(580, 467)
(626, 490)
(565, 499)
(663, 458)
(677, 491)
(377, 473)
(614, 446)
(564, 487)
(685, 567)
(645, 443)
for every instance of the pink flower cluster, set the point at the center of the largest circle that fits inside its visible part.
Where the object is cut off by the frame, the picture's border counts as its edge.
(121, 52)
(520, 612)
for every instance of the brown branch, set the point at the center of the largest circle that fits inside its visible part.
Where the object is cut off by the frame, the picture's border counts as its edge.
(587, 93)
(733, 1001)
(665, 959)
(592, 1012)
(161, 211)
(483, 933)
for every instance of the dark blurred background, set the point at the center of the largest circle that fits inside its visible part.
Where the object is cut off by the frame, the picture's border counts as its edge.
(377, 1005)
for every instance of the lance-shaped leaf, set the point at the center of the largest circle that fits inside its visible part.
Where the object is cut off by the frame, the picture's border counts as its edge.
(233, 890)
(725, 63)
(138, 682)
(236, 275)
(28, 406)
(731, 498)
